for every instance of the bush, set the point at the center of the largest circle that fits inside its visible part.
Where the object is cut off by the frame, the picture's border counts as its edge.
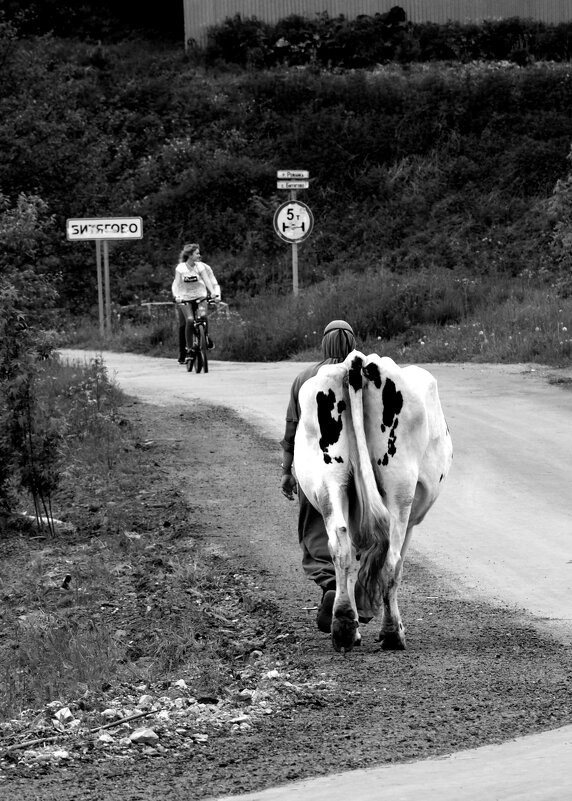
(244, 42)
(366, 41)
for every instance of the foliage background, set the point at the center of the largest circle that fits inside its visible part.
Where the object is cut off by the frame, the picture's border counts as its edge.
(443, 202)
(438, 162)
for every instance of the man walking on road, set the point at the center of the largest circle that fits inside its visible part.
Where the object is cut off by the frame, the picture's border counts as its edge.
(338, 341)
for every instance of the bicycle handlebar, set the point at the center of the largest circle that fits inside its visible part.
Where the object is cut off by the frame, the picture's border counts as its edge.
(210, 301)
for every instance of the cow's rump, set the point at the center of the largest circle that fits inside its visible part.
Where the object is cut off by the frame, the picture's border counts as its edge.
(371, 451)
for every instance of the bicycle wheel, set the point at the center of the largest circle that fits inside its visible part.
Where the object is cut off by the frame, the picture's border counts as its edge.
(202, 352)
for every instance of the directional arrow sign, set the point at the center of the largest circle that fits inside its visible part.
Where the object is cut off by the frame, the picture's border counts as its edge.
(293, 175)
(292, 184)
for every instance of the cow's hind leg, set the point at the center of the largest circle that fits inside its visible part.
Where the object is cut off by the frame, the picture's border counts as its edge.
(392, 634)
(345, 627)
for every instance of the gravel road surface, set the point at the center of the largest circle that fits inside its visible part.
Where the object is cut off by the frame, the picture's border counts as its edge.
(501, 530)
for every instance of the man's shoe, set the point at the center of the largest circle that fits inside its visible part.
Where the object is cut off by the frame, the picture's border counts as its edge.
(324, 616)
(210, 344)
(181, 359)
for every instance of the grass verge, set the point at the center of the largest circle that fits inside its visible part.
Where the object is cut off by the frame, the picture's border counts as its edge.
(422, 317)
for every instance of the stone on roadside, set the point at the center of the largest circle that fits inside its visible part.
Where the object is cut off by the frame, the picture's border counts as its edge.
(240, 719)
(145, 702)
(111, 714)
(61, 754)
(272, 674)
(144, 735)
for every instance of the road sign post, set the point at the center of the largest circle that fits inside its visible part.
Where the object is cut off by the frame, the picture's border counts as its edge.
(106, 282)
(293, 220)
(99, 287)
(102, 229)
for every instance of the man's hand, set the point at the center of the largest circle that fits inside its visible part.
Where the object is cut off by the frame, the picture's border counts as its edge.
(288, 486)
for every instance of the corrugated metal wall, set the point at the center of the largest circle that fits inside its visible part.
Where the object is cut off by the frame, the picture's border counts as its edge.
(200, 14)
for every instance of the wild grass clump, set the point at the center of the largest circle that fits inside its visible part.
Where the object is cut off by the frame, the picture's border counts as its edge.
(58, 419)
(55, 657)
(142, 333)
(55, 640)
(531, 326)
(86, 614)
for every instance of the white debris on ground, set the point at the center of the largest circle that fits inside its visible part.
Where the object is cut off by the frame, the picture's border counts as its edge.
(152, 722)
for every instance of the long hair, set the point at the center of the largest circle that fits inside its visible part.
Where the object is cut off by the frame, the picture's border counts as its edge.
(338, 344)
(187, 249)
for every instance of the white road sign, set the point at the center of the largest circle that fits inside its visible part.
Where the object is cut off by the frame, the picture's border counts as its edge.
(293, 175)
(104, 228)
(293, 221)
(292, 184)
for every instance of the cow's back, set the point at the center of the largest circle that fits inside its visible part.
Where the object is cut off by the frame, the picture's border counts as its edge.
(407, 435)
(439, 452)
(325, 444)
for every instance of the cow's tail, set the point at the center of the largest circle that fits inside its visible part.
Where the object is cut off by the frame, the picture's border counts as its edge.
(370, 532)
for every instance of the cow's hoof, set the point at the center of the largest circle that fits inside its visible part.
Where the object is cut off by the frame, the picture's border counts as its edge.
(345, 632)
(392, 641)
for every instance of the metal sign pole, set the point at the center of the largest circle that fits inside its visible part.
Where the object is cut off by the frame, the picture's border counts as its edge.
(294, 256)
(295, 268)
(107, 287)
(99, 286)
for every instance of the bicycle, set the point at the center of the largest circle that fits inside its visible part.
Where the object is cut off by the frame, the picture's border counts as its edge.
(197, 354)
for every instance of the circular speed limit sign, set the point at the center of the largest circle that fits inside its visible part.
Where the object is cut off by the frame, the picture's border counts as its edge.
(293, 221)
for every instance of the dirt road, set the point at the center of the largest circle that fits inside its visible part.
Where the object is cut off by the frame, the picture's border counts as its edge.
(502, 528)
(503, 524)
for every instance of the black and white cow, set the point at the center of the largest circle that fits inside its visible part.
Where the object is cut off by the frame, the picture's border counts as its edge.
(372, 449)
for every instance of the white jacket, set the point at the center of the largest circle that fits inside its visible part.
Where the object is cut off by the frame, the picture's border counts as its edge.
(194, 282)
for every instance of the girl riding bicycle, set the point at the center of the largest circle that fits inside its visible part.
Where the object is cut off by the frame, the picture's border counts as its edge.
(194, 282)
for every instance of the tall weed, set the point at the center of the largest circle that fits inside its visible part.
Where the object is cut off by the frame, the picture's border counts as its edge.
(91, 401)
(32, 432)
